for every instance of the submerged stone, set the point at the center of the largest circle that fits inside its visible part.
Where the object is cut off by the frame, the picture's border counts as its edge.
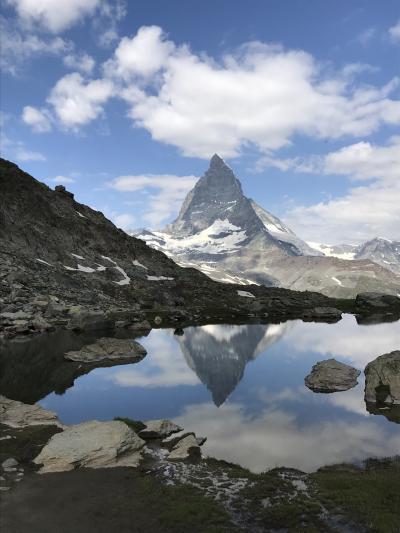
(108, 349)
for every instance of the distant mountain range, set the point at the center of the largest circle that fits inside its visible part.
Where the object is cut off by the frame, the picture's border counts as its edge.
(231, 238)
(381, 251)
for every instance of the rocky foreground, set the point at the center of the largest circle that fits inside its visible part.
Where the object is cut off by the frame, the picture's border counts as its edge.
(129, 476)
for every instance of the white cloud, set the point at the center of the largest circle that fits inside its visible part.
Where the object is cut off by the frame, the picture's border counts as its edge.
(18, 47)
(53, 15)
(106, 25)
(16, 150)
(394, 32)
(124, 221)
(143, 55)
(82, 62)
(76, 101)
(364, 161)
(276, 437)
(164, 368)
(169, 192)
(261, 94)
(62, 179)
(23, 154)
(38, 119)
(363, 212)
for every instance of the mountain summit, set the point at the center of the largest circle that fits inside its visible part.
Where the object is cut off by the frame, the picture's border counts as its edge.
(232, 239)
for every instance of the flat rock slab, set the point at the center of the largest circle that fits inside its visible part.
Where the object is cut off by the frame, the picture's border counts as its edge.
(331, 376)
(382, 379)
(159, 429)
(91, 445)
(18, 415)
(108, 349)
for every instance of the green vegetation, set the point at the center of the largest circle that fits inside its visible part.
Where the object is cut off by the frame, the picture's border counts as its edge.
(370, 495)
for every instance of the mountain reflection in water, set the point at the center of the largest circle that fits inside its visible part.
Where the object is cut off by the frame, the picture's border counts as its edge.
(243, 388)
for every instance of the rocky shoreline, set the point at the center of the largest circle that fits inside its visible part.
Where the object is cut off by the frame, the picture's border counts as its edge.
(133, 457)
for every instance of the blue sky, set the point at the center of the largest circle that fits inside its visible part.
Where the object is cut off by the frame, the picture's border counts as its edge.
(125, 101)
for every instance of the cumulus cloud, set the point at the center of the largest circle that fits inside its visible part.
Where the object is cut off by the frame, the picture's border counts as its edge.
(62, 179)
(19, 47)
(53, 15)
(276, 437)
(166, 193)
(260, 95)
(124, 221)
(76, 101)
(83, 62)
(365, 211)
(142, 55)
(38, 119)
(394, 32)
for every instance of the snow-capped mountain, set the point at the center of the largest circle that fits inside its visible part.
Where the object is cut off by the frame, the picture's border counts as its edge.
(381, 251)
(231, 238)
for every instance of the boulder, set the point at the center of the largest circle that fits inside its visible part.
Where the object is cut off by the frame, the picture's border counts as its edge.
(186, 448)
(109, 349)
(83, 320)
(382, 380)
(377, 300)
(91, 445)
(159, 429)
(331, 376)
(323, 314)
(17, 414)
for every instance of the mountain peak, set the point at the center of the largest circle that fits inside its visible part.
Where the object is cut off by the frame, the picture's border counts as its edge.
(216, 162)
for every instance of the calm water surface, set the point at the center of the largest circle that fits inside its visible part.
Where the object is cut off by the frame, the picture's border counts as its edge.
(243, 388)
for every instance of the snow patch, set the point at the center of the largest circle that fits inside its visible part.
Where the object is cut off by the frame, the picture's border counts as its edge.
(80, 214)
(78, 256)
(126, 279)
(158, 278)
(337, 281)
(136, 263)
(245, 294)
(44, 262)
(81, 268)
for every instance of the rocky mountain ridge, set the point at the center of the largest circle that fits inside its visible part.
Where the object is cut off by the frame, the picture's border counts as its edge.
(232, 239)
(63, 264)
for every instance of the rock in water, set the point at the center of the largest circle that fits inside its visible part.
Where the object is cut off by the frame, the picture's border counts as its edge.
(109, 349)
(382, 380)
(186, 448)
(159, 429)
(331, 376)
(91, 445)
(17, 414)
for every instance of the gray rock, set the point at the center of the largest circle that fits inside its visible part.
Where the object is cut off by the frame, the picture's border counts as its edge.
(186, 448)
(159, 429)
(382, 380)
(377, 300)
(171, 441)
(331, 376)
(89, 321)
(18, 414)
(108, 349)
(9, 463)
(91, 445)
(325, 314)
